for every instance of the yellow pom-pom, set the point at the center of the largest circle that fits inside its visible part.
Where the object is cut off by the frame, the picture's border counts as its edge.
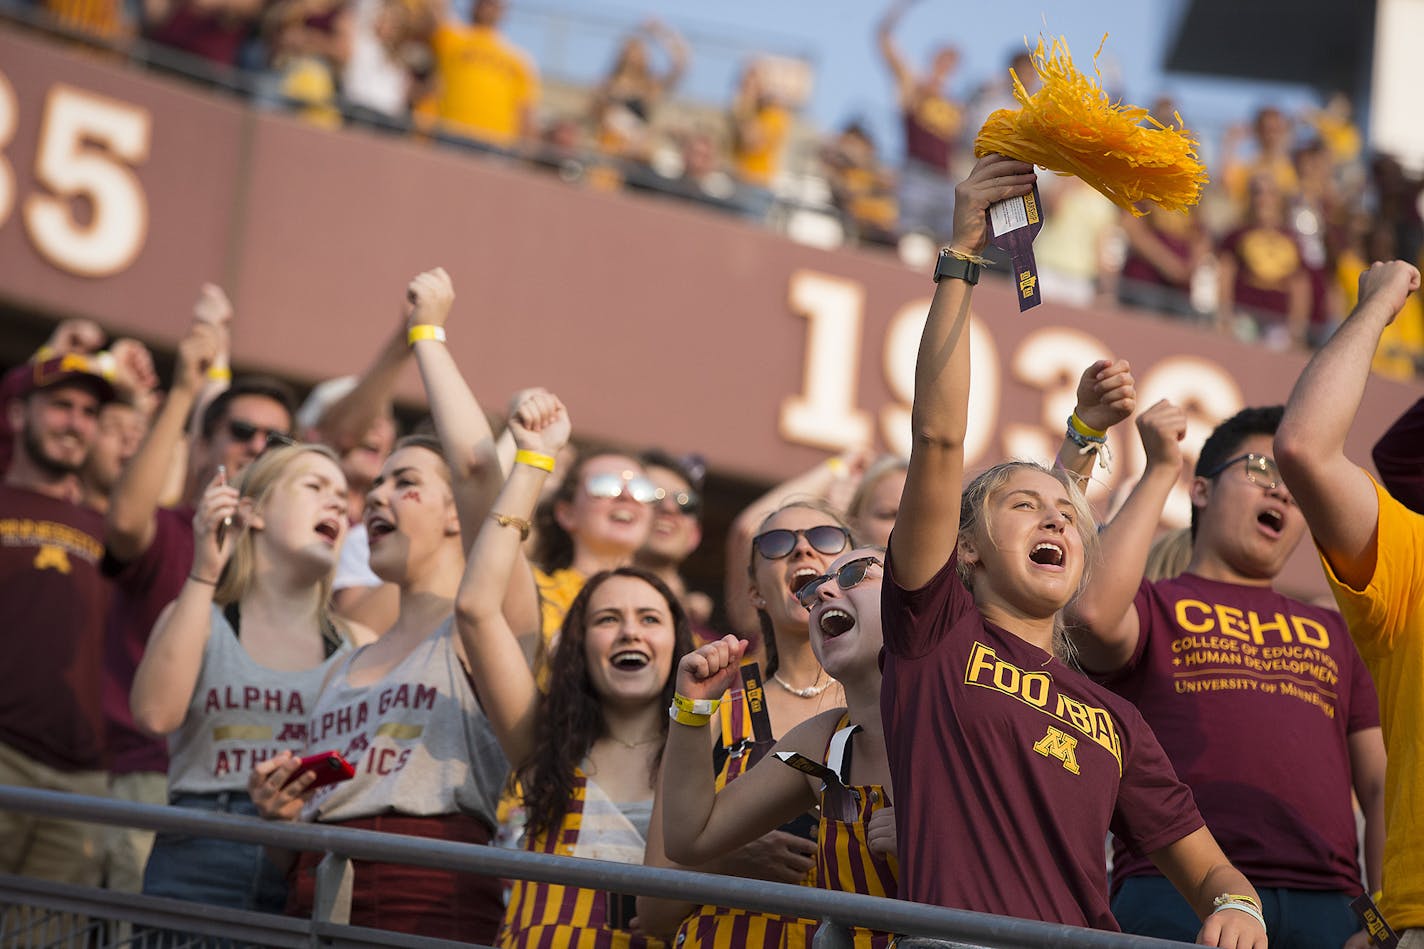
(1071, 126)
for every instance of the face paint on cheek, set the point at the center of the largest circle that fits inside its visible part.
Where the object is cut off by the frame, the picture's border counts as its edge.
(411, 494)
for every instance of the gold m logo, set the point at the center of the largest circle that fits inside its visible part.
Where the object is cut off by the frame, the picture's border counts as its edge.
(51, 557)
(1058, 745)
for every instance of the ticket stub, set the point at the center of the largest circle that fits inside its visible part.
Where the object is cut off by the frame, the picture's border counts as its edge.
(1013, 224)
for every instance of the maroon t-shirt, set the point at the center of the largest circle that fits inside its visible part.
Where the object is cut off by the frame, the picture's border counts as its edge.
(1253, 695)
(1266, 259)
(142, 589)
(1010, 767)
(54, 600)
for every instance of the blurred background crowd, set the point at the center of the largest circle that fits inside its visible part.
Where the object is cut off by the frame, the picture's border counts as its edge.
(1296, 206)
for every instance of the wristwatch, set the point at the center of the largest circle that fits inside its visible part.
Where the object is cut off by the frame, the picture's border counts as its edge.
(956, 268)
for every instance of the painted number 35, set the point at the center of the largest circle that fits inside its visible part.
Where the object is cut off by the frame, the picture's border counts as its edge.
(88, 214)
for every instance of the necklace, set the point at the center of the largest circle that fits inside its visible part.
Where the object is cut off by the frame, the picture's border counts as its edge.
(810, 692)
(631, 745)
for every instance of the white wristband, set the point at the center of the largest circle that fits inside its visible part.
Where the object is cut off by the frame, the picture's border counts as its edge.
(1242, 907)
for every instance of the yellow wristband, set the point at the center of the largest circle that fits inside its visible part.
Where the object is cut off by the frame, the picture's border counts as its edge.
(837, 466)
(534, 459)
(695, 706)
(688, 718)
(1084, 429)
(424, 331)
(219, 373)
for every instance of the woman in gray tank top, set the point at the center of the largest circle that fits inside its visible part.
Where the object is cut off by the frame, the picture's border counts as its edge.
(234, 665)
(403, 710)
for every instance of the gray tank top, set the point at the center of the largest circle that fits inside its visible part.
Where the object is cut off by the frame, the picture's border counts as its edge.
(241, 713)
(418, 739)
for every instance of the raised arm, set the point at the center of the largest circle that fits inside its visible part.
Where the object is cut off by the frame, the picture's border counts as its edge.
(1335, 494)
(1104, 621)
(1201, 873)
(677, 52)
(168, 673)
(133, 507)
(346, 421)
(508, 691)
(1107, 395)
(464, 430)
(894, 59)
(927, 527)
(699, 823)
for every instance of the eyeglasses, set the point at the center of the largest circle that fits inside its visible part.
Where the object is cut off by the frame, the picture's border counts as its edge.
(610, 485)
(244, 431)
(1260, 470)
(849, 575)
(687, 501)
(824, 538)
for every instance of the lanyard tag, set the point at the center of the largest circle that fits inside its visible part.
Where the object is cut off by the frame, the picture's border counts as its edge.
(1380, 932)
(1013, 224)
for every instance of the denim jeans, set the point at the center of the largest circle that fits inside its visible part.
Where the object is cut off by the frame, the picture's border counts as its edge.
(217, 872)
(1301, 919)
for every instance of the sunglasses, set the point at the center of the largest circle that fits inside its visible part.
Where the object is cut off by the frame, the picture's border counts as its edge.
(244, 431)
(687, 501)
(1260, 470)
(849, 575)
(611, 486)
(824, 538)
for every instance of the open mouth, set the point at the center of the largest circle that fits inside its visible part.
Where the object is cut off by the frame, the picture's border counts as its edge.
(1047, 555)
(621, 516)
(629, 660)
(802, 577)
(835, 621)
(376, 528)
(1272, 520)
(330, 530)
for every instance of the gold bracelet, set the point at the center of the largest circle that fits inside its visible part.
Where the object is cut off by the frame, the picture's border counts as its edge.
(688, 718)
(219, 373)
(1235, 898)
(534, 459)
(507, 520)
(424, 331)
(972, 258)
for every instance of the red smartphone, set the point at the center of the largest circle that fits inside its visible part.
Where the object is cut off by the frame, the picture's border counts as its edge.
(328, 766)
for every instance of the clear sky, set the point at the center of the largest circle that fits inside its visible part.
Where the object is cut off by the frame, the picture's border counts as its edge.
(576, 39)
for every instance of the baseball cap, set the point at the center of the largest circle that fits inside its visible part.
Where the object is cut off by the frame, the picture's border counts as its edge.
(71, 367)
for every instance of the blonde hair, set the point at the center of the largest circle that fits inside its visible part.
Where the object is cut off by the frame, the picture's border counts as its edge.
(256, 482)
(973, 515)
(880, 468)
(1169, 554)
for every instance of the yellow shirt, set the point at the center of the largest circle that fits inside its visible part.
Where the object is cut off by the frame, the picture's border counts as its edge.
(758, 163)
(1387, 622)
(487, 85)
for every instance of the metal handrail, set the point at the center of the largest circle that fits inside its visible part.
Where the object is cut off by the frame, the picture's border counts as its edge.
(842, 909)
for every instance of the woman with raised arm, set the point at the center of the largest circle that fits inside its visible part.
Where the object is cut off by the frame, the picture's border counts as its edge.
(795, 544)
(623, 105)
(234, 665)
(403, 710)
(1014, 744)
(586, 749)
(855, 835)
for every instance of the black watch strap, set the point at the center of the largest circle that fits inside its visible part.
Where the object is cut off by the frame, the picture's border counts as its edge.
(956, 268)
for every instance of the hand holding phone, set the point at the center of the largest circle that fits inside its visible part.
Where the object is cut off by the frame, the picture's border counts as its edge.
(227, 521)
(328, 766)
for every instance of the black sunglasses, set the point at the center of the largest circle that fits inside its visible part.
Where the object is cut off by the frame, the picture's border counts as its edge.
(244, 431)
(849, 575)
(824, 538)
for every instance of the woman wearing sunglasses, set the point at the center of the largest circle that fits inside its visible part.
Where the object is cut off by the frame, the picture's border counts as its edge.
(403, 710)
(990, 735)
(793, 546)
(585, 750)
(596, 520)
(234, 665)
(836, 759)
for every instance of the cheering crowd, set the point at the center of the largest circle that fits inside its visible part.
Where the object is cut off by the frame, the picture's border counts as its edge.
(1273, 254)
(936, 685)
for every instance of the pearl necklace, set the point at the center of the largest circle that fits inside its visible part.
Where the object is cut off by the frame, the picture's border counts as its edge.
(810, 692)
